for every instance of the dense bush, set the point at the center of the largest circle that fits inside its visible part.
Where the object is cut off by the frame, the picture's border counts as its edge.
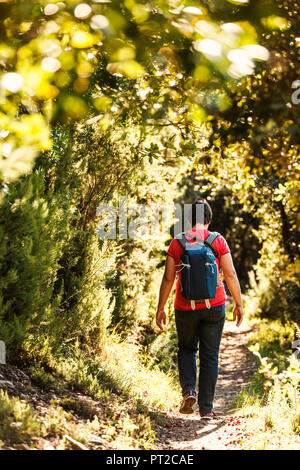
(33, 232)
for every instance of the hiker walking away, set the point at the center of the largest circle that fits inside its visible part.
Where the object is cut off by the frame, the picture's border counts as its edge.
(198, 257)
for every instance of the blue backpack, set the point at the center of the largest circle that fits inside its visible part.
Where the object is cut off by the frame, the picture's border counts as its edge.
(199, 269)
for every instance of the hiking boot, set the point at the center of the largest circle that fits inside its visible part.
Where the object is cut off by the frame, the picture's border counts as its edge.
(189, 400)
(208, 416)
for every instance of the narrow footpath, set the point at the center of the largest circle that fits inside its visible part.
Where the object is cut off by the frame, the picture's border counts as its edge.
(228, 431)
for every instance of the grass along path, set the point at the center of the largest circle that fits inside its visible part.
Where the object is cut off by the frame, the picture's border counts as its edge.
(228, 431)
(36, 416)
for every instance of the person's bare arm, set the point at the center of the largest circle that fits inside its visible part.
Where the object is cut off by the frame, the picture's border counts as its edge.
(164, 292)
(233, 285)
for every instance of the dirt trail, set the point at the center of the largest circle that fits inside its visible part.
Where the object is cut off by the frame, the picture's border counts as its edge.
(235, 370)
(180, 432)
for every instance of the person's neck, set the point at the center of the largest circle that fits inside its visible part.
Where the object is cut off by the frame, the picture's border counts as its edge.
(200, 227)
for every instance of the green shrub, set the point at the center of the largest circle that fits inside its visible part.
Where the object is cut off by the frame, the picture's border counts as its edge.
(18, 422)
(31, 241)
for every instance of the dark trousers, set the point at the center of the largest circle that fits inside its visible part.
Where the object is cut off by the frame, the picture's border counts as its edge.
(200, 329)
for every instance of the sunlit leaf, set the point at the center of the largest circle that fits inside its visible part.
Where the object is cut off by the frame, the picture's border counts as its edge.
(18, 162)
(74, 107)
(82, 39)
(197, 114)
(275, 22)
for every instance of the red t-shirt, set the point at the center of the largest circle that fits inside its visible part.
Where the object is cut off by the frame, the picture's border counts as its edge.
(175, 250)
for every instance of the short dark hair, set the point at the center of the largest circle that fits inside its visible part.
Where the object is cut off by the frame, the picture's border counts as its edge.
(193, 212)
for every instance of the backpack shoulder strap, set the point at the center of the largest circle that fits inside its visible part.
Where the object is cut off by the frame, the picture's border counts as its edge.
(209, 241)
(181, 239)
(211, 237)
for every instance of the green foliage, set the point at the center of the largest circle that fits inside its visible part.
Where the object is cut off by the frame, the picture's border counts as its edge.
(53, 55)
(32, 232)
(18, 421)
(273, 269)
(119, 369)
(162, 349)
(21, 425)
(271, 400)
(42, 378)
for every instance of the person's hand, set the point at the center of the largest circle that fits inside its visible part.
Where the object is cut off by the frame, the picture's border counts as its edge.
(161, 318)
(238, 314)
